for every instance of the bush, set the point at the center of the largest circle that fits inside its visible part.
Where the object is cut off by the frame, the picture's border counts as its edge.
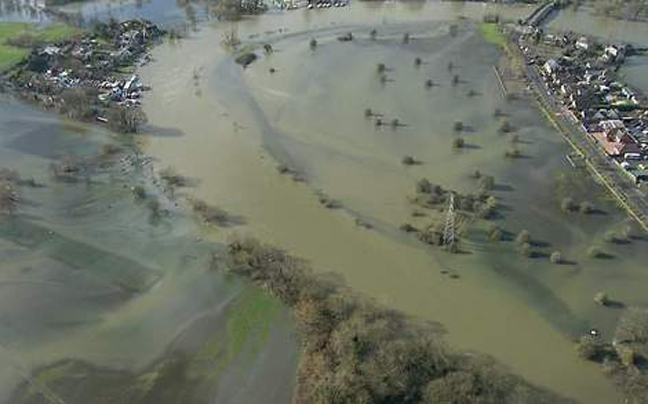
(246, 59)
(487, 183)
(210, 214)
(602, 298)
(512, 152)
(458, 143)
(555, 258)
(368, 113)
(589, 348)
(139, 192)
(409, 161)
(595, 252)
(418, 62)
(567, 205)
(172, 178)
(506, 127)
(586, 208)
(495, 234)
(523, 237)
(458, 126)
(476, 174)
(125, 120)
(424, 186)
(313, 44)
(154, 206)
(381, 68)
(408, 228)
(525, 249)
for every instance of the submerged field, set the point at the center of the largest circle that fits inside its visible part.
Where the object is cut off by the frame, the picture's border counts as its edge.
(303, 107)
(94, 285)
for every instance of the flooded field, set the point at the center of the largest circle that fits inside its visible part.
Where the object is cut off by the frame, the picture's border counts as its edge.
(235, 126)
(92, 285)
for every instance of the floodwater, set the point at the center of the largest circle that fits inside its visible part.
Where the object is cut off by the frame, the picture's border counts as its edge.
(22, 11)
(90, 284)
(236, 125)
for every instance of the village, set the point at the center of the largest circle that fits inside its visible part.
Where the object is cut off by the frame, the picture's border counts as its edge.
(581, 78)
(91, 77)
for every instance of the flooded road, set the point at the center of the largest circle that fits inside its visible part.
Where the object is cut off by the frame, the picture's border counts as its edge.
(90, 284)
(235, 126)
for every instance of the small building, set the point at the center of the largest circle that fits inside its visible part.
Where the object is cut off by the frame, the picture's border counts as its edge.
(551, 66)
(583, 43)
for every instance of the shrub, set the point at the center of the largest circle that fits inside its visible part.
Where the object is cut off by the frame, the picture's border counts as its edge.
(246, 59)
(595, 252)
(313, 43)
(417, 62)
(429, 83)
(487, 182)
(458, 143)
(586, 208)
(172, 178)
(406, 38)
(523, 237)
(505, 127)
(368, 113)
(610, 237)
(139, 192)
(381, 68)
(455, 79)
(602, 298)
(154, 206)
(373, 34)
(555, 258)
(633, 326)
(424, 186)
(210, 214)
(495, 234)
(409, 161)
(512, 152)
(567, 204)
(408, 228)
(476, 174)
(126, 120)
(589, 348)
(525, 249)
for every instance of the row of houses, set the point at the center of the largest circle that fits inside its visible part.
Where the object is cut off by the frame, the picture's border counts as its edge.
(583, 79)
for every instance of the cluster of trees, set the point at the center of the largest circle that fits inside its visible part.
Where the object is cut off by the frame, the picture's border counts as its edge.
(355, 352)
(623, 358)
(431, 196)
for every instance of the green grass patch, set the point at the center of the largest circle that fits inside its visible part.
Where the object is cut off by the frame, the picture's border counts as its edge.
(29, 34)
(492, 34)
(250, 320)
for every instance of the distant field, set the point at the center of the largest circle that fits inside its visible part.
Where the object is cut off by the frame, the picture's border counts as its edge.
(10, 54)
(492, 34)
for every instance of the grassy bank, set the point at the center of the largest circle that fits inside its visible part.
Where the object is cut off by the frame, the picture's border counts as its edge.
(492, 34)
(17, 38)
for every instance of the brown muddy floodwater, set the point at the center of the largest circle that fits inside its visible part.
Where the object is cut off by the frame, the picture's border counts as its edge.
(233, 126)
(98, 300)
